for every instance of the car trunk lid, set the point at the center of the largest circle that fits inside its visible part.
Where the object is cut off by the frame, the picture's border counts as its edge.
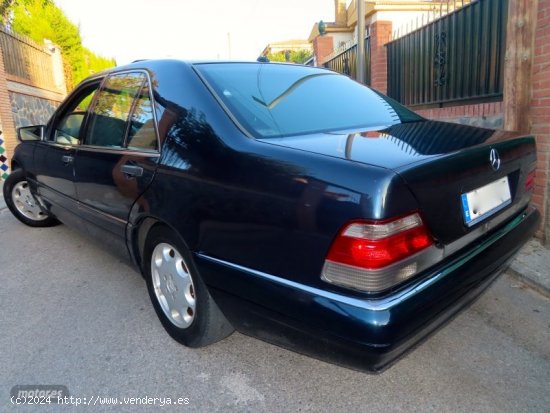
(440, 162)
(450, 188)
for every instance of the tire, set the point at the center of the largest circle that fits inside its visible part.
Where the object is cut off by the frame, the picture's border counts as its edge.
(23, 204)
(180, 298)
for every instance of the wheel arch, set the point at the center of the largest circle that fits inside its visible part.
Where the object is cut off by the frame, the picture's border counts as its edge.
(140, 232)
(15, 165)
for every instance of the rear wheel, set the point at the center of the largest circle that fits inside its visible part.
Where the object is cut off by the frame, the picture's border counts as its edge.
(180, 297)
(23, 204)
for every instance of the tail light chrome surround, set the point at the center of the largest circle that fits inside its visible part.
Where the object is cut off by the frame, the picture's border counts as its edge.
(373, 256)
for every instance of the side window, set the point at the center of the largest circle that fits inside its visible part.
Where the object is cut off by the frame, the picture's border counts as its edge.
(109, 118)
(67, 130)
(141, 134)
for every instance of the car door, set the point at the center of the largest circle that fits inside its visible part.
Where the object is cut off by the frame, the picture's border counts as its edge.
(118, 157)
(54, 156)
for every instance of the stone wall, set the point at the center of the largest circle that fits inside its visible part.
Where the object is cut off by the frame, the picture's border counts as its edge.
(30, 110)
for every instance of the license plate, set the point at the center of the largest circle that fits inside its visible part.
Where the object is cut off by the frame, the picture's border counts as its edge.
(485, 201)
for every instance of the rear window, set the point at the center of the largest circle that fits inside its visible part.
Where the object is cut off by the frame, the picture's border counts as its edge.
(275, 100)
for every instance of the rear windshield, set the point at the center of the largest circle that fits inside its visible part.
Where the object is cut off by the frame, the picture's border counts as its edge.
(277, 100)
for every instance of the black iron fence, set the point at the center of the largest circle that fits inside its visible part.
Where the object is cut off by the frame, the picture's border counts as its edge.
(345, 62)
(458, 57)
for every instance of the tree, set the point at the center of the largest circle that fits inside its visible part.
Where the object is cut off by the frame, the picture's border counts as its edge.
(42, 19)
(5, 6)
(294, 56)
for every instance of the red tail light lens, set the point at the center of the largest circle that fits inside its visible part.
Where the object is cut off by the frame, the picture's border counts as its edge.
(373, 256)
(378, 245)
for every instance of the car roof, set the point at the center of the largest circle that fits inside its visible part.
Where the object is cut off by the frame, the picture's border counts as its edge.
(153, 64)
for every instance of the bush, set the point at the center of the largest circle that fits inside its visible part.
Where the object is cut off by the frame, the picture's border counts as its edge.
(294, 56)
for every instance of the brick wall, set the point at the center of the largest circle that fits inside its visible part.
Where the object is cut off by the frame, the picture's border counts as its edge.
(380, 34)
(488, 115)
(322, 47)
(540, 110)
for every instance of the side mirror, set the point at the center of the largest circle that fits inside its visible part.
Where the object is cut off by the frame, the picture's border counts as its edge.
(31, 133)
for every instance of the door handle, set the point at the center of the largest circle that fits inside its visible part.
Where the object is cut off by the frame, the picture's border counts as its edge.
(67, 159)
(131, 170)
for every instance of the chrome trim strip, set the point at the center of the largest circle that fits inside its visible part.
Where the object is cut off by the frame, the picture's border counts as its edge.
(78, 204)
(279, 280)
(117, 151)
(385, 303)
(96, 211)
(41, 186)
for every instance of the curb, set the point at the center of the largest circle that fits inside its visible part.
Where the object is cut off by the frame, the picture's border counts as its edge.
(530, 266)
(539, 288)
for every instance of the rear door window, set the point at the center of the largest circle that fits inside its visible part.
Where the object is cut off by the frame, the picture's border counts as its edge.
(111, 113)
(142, 133)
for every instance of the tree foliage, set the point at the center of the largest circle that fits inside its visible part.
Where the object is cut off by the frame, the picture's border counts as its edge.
(42, 19)
(294, 56)
(5, 6)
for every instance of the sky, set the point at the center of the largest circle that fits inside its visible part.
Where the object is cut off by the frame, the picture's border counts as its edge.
(192, 29)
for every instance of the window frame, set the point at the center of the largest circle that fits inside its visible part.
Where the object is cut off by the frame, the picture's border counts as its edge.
(124, 148)
(147, 84)
(61, 112)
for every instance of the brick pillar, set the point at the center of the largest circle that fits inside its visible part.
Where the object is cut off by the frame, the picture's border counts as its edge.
(520, 39)
(7, 132)
(58, 69)
(539, 114)
(380, 34)
(322, 47)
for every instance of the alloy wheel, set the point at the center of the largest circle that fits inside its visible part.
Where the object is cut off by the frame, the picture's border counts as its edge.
(25, 202)
(173, 285)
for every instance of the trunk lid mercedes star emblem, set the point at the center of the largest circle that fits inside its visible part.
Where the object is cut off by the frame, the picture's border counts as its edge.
(494, 159)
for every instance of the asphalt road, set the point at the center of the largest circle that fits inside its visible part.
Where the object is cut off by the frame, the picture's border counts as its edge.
(73, 315)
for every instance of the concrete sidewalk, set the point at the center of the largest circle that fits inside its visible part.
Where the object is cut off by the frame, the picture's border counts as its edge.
(531, 266)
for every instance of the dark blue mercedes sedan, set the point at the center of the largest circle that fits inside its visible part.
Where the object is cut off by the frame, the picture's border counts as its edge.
(287, 202)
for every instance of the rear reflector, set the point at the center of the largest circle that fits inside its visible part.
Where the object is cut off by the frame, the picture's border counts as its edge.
(530, 180)
(373, 256)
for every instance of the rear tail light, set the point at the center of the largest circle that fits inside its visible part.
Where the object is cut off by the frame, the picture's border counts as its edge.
(530, 180)
(374, 256)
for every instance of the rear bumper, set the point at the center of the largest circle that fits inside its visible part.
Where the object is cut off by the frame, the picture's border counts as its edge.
(365, 334)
